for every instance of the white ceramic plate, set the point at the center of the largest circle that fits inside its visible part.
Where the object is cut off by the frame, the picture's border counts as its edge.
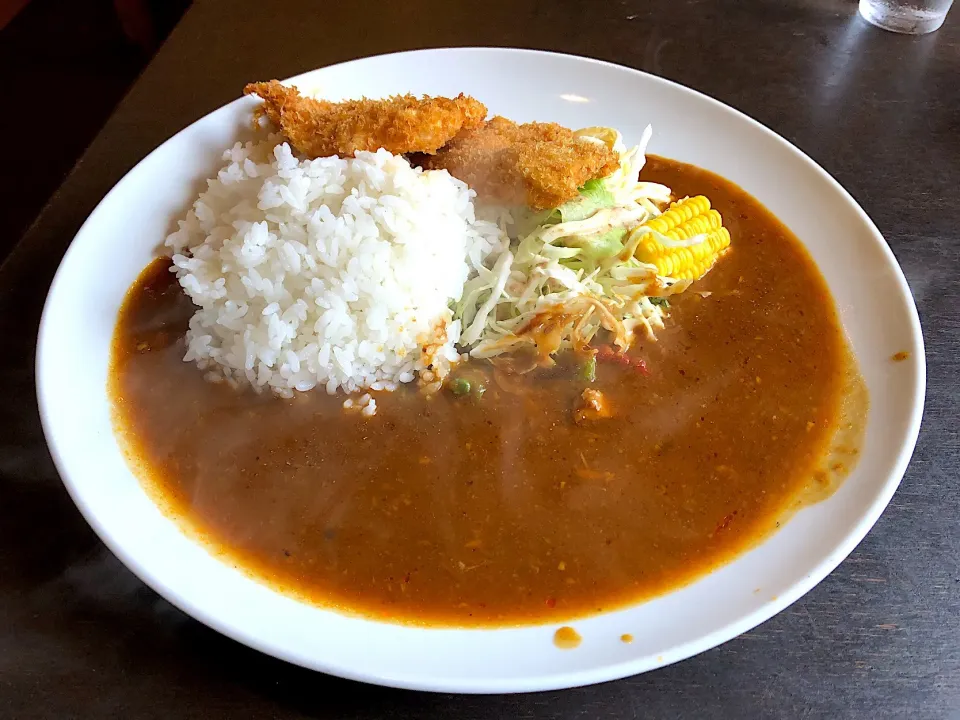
(122, 234)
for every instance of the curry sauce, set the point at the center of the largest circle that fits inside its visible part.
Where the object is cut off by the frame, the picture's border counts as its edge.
(501, 509)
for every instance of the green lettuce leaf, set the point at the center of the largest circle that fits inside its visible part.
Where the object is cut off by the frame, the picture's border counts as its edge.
(594, 248)
(593, 196)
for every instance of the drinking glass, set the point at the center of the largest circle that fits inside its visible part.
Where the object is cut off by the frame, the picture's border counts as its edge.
(914, 17)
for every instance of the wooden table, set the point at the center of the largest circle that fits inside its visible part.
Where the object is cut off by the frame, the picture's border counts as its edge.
(80, 636)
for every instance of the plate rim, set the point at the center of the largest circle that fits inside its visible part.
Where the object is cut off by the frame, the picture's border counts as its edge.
(559, 680)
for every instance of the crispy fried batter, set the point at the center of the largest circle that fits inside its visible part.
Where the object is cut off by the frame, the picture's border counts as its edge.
(401, 124)
(539, 164)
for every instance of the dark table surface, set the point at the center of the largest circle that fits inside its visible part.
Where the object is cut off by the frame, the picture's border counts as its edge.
(80, 636)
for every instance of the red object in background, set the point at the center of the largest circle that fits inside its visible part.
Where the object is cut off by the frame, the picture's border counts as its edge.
(9, 10)
(90, 51)
(136, 20)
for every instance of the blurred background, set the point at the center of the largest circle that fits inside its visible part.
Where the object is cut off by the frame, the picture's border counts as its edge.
(70, 61)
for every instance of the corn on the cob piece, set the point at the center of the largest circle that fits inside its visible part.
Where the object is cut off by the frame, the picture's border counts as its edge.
(684, 220)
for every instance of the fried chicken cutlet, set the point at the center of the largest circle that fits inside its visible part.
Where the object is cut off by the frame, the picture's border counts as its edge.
(537, 164)
(400, 124)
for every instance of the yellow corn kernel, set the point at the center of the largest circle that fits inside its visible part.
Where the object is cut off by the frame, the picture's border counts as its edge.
(685, 219)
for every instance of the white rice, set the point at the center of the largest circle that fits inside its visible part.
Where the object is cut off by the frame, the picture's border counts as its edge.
(328, 272)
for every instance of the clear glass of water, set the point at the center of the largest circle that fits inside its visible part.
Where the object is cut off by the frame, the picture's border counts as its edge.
(914, 17)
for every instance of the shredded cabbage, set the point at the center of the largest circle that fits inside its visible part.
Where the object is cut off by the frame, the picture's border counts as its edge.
(571, 271)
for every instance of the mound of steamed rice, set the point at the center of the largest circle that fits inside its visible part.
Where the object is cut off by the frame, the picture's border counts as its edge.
(332, 272)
